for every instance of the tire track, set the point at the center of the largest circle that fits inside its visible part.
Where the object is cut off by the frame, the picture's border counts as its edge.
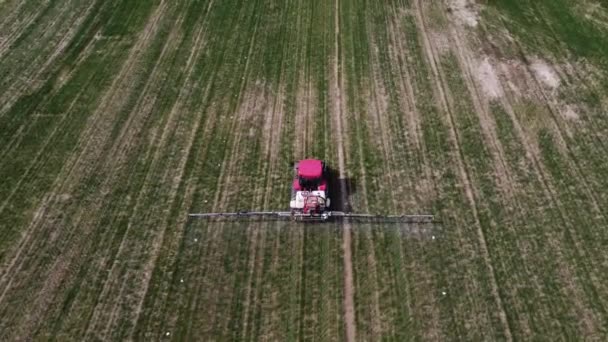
(304, 123)
(173, 124)
(338, 86)
(465, 178)
(270, 135)
(384, 141)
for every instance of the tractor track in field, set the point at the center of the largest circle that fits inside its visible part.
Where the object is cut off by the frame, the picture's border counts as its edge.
(38, 157)
(271, 139)
(111, 98)
(304, 117)
(562, 143)
(556, 122)
(338, 88)
(380, 116)
(399, 55)
(379, 111)
(440, 86)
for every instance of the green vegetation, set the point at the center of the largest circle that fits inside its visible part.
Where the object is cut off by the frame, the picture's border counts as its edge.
(117, 118)
(551, 26)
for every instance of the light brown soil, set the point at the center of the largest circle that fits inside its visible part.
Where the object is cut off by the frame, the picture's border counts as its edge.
(486, 76)
(465, 12)
(545, 73)
(338, 92)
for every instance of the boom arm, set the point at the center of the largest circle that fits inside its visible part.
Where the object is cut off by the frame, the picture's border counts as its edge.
(329, 214)
(396, 218)
(243, 214)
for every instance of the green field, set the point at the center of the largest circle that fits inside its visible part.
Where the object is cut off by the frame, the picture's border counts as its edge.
(117, 118)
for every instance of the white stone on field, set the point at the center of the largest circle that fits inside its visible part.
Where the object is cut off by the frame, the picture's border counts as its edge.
(443, 293)
(181, 280)
(168, 333)
(195, 240)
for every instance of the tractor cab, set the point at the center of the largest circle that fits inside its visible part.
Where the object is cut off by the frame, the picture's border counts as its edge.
(310, 175)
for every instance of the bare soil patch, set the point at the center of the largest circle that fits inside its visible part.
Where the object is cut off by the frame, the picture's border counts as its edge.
(488, 79)
(570, 113)
(545, 73)
(465, 12)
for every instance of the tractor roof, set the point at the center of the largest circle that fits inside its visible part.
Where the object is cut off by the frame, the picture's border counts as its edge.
(310, 168)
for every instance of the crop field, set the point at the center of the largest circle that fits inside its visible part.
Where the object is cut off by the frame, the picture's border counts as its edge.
(118, 118)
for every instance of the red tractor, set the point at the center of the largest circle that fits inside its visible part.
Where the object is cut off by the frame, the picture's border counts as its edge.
(309, 193)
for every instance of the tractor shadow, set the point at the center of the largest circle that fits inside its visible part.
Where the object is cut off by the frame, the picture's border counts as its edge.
(340, 190)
